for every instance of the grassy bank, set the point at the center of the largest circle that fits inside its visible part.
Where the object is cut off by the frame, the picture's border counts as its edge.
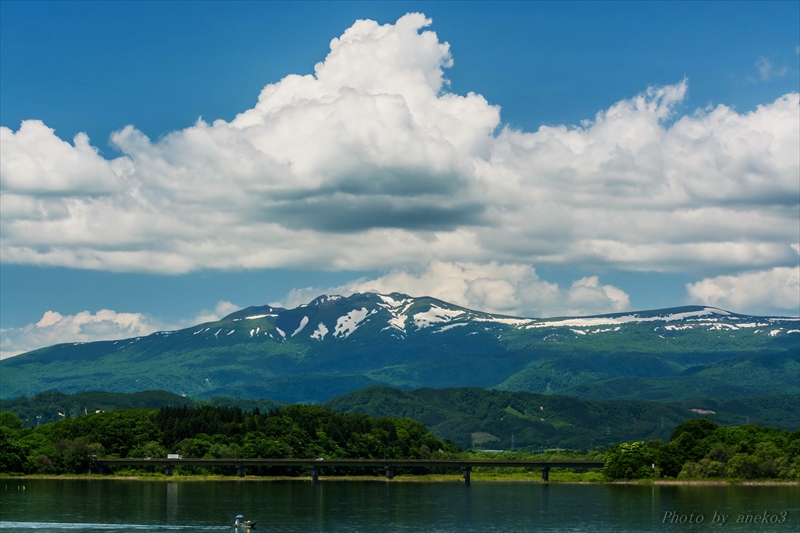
(530, 477)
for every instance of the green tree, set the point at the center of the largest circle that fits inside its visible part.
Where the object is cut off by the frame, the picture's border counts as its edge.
(629, 460)
(8, 420)
(744, 466)
(11, 454)
(151, 449)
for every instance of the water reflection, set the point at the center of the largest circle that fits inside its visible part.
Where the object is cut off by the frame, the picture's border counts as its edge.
(172, 502)
(333, 506)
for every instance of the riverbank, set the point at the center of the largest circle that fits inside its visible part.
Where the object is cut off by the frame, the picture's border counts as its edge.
(563, 478)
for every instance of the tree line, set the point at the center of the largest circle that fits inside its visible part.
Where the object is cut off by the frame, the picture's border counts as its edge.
(702, 449)
(296, 431)
(697, 449)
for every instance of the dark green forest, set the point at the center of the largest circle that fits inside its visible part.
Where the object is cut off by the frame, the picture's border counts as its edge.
(539, 421)
(52, 406)
(296, 431)
(471, 417)
(697, 449)
(702, 449)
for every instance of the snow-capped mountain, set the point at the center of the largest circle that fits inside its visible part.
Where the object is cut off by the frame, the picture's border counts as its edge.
(337, 344)
(337, 318)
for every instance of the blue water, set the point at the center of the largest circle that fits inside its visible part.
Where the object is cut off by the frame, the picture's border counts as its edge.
(378, 506)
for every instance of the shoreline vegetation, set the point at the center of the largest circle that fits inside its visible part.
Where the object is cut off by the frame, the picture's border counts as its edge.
(593, 478)
(698, 451)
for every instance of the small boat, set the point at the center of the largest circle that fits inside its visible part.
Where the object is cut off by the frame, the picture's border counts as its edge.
(240, 523)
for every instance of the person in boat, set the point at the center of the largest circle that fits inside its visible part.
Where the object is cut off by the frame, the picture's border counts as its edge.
(240, 522)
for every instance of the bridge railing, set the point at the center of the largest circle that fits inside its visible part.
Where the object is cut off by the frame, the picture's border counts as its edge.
(315, 465)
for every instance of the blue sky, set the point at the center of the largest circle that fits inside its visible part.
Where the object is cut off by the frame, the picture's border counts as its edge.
(651, 203)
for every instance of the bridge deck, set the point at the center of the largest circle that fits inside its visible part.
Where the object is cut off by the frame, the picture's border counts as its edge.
(454, 463)
(315, 465)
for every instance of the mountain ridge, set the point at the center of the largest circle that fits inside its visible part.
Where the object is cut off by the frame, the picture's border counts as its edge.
(334, 345)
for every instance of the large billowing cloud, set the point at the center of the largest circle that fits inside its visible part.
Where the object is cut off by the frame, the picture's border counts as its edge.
(759, 291)
(501, 288)
(371, 163)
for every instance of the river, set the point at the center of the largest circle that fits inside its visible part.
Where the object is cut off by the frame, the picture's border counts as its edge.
(114, 505)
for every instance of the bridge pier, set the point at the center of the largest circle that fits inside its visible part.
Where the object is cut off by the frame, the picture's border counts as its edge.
(168, 469)
(240, 470)
(546, 473)
(389, 472)
(314, 473)
(466, 471)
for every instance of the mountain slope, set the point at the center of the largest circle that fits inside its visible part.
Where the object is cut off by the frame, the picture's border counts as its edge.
(535, 420)
(336, 345)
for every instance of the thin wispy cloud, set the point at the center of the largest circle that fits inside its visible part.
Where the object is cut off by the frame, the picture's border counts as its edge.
(768, 71)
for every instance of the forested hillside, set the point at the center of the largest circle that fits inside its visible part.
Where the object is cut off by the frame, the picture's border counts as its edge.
(486, 418)
(295, 431)
(52, 406)
(471, 417)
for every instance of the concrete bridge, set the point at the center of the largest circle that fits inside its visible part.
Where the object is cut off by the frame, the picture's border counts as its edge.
(315, 465)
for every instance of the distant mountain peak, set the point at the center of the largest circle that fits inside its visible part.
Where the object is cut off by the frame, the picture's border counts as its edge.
(336, 344)
(398, 315)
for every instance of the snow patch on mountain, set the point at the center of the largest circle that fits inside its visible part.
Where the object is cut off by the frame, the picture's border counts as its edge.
(708, 325)
(389, 300)
(303, 324)
(435, 315)
(450, 326)
(280, 332)
(398, 322)
(320, 332)
(397, 309)
(612, 320)
(347, 324)
(254, 317)
(504, 320)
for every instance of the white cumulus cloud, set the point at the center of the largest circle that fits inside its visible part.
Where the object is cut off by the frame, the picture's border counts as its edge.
(221, 309)
(773, 291)
(55, 328)
(501, 288)
(36, 161)
(372, 163)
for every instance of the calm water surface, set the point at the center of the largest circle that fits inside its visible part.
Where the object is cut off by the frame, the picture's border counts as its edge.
(377, 506)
